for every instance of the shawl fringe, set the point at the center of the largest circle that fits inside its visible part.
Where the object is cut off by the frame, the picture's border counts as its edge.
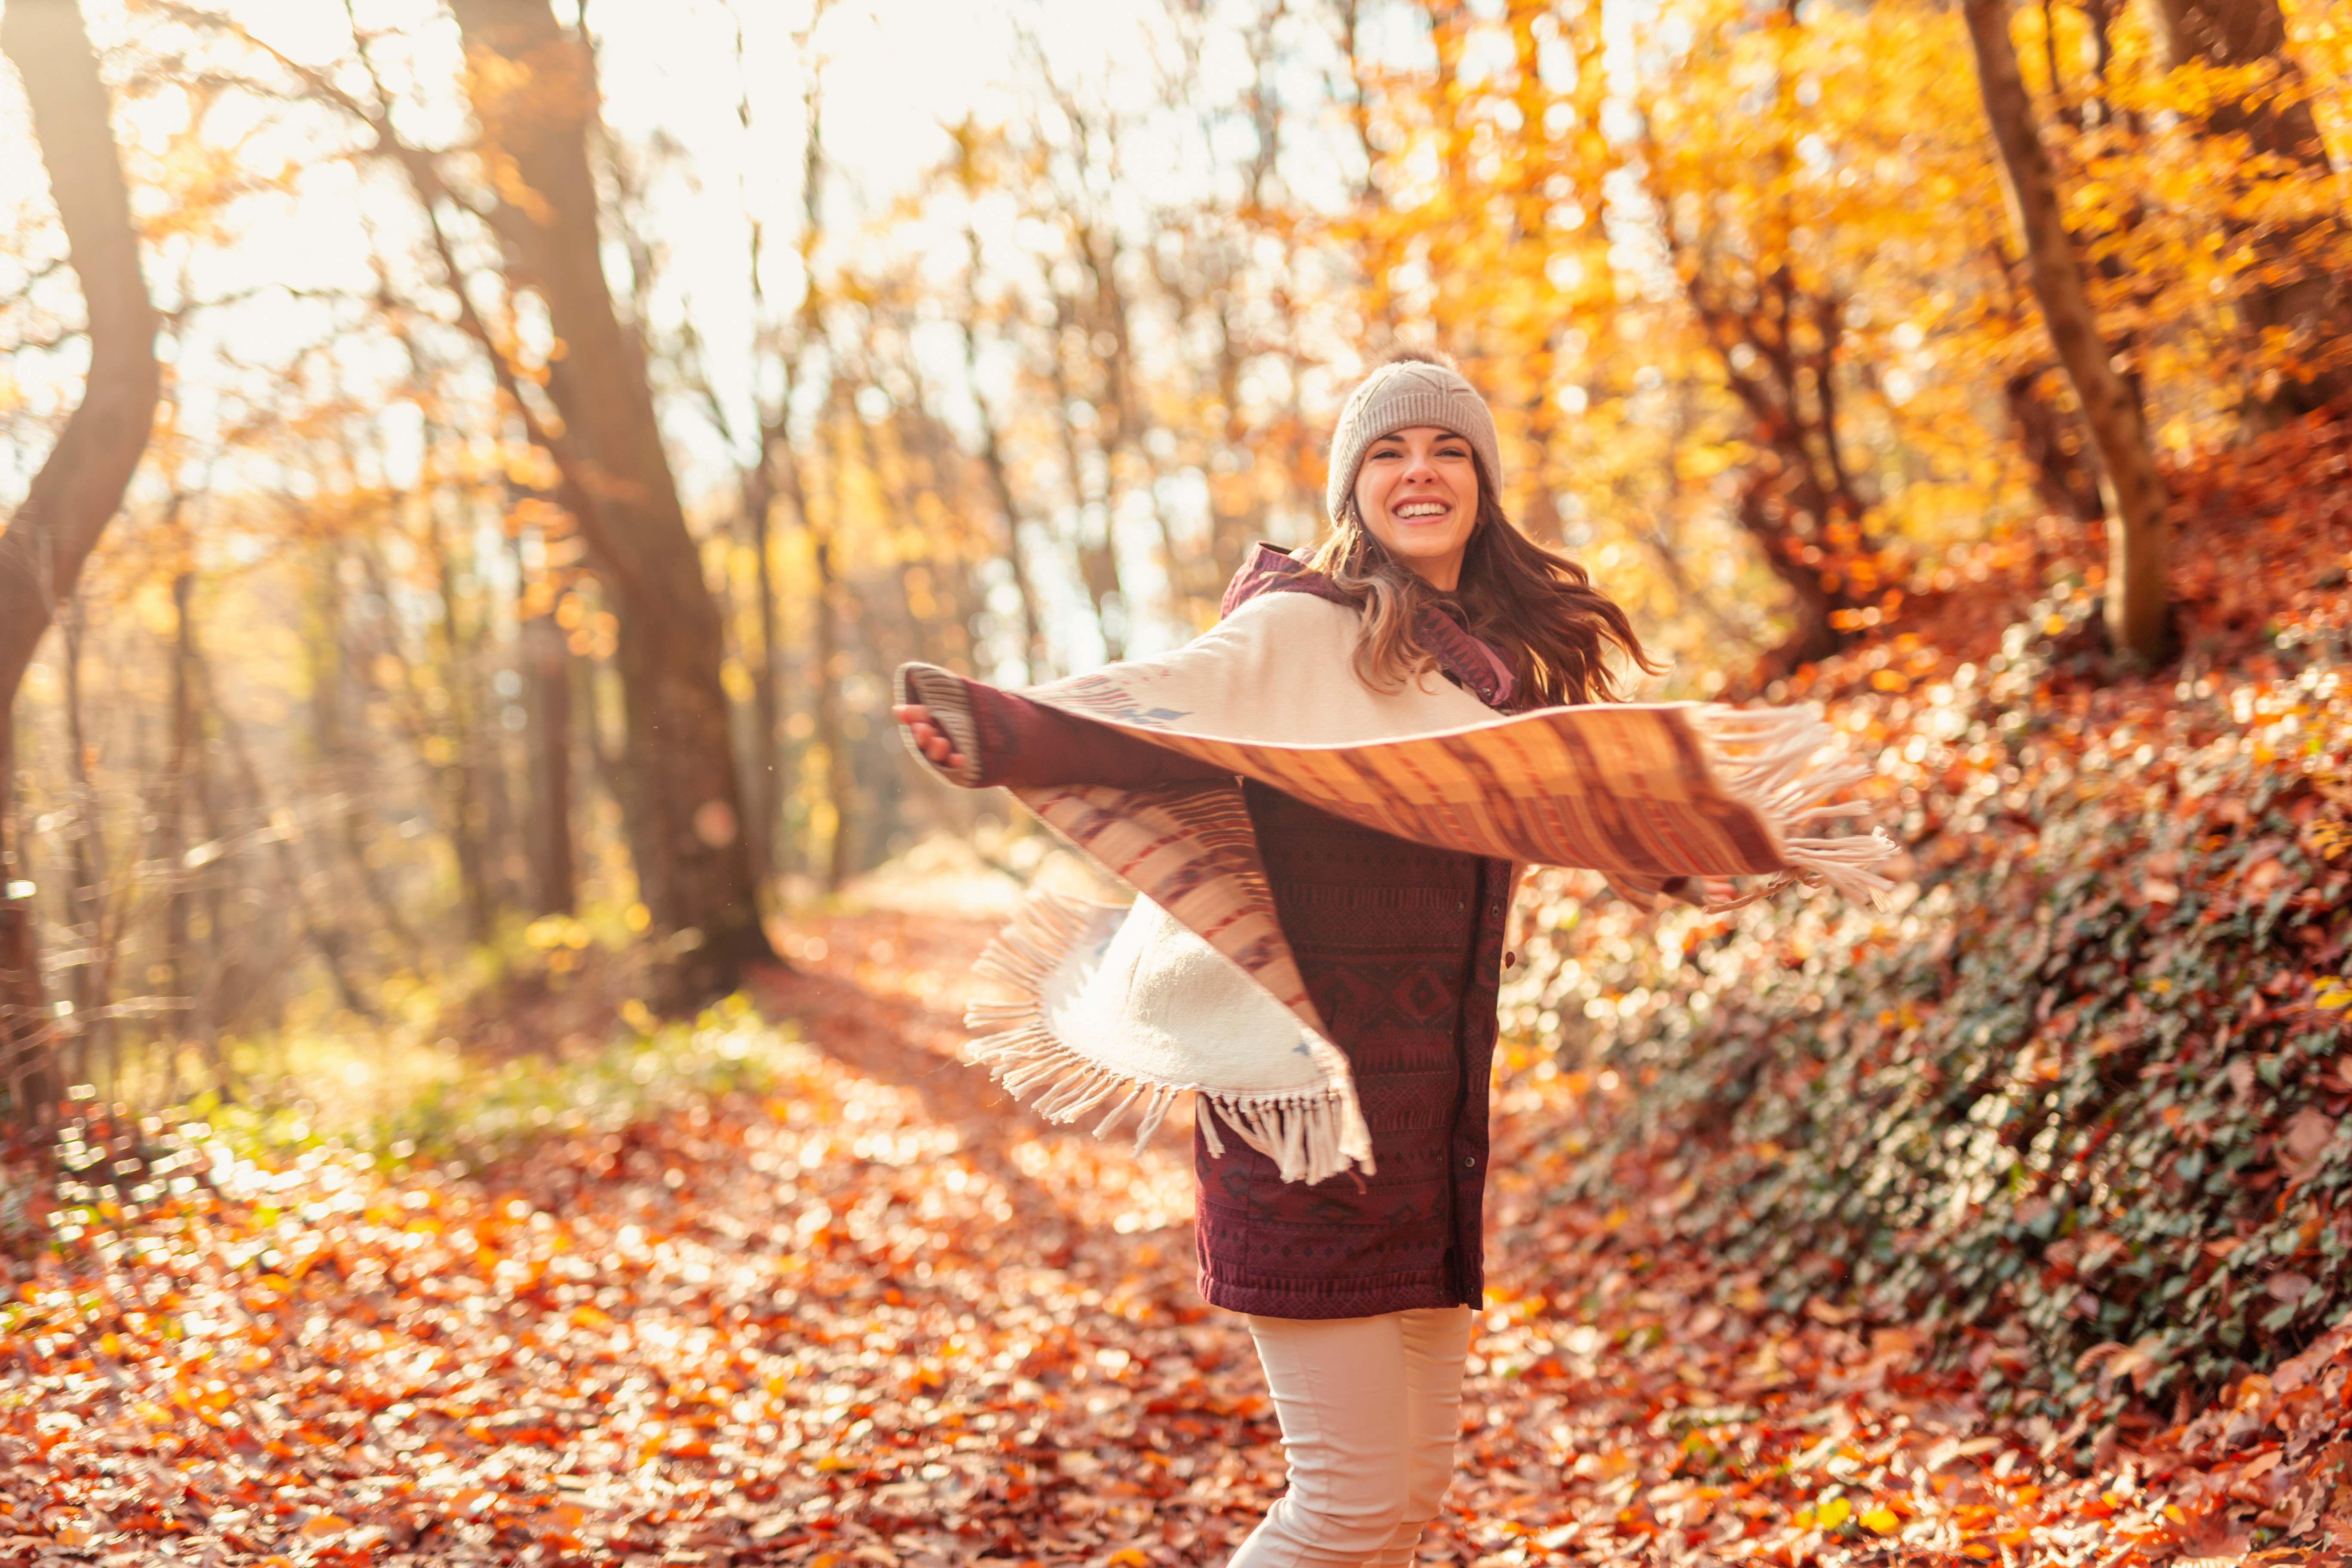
(1309, 1134)
(1771, 761)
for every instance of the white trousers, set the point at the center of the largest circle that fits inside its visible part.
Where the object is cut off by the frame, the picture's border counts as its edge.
(1369, 1407)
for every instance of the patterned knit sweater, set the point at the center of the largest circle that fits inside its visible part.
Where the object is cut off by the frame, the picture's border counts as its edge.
(1401, 947)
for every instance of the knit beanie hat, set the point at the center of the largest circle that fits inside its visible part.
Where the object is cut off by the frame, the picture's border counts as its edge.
(1412, 389)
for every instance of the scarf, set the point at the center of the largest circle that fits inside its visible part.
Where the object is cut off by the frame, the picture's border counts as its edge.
(1192, 988)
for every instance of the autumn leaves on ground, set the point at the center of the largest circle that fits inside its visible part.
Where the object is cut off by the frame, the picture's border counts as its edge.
(855, 1308)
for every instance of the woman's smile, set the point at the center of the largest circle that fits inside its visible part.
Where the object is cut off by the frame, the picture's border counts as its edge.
(1417, 492)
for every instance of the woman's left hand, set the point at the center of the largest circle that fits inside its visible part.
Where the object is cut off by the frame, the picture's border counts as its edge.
(1714, 890)
(929, 738)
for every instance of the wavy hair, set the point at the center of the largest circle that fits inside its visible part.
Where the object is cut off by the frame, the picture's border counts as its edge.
(1537, 608)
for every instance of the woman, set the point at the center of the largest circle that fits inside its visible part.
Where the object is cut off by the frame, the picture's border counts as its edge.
(1360, 1290)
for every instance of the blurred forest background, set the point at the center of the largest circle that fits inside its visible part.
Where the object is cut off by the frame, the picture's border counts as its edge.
(564, 425)
(470, 468)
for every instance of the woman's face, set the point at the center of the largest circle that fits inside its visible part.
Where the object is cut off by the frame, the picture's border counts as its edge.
(1418, 494)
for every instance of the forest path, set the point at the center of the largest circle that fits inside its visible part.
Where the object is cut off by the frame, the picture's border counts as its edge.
(877, 1314)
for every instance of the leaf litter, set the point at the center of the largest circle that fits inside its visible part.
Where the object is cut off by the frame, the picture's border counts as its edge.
(874, 1314)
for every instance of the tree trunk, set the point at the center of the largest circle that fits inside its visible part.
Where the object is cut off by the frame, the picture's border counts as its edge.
(786, 852)
(2233, 34)
(461, 775)
(1123, 419)
(1097, 562)
(2136, 590)
(554, 871)
(2293, 288)
(81, 483)
(1000, 480)
(345, 767)
(331, 943)
(184, 788)
(533, 85)
(170, 839)
(1763, 511)
(86, 860)
(840, 787)
(2063, 480)
(767, 694)
(30, 1070)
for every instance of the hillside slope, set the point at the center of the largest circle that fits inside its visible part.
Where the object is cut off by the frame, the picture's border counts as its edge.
(2078, 1102)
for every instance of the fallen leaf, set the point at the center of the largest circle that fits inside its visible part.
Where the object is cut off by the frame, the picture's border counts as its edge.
(2308, 1132)
(2287, 1285)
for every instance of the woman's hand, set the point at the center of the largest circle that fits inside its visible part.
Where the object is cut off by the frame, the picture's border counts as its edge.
(929, 738)
(1703, 892)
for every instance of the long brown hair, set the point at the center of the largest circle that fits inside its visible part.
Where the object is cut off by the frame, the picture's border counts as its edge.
(1539, 610)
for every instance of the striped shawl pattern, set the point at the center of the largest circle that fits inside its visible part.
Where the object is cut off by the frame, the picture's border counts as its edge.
(1651, 797)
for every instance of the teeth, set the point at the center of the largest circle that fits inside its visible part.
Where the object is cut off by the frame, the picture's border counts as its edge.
(1422, 508)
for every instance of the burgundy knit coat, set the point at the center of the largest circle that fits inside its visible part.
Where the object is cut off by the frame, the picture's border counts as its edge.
(1400, 946)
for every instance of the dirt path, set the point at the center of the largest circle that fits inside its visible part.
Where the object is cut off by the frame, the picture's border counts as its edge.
(880, 1316)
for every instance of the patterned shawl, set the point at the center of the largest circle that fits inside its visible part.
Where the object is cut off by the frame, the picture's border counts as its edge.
(1193, 987)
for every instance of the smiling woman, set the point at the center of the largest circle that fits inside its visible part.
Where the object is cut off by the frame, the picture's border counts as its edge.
(1418, 524)
(1345, 1222)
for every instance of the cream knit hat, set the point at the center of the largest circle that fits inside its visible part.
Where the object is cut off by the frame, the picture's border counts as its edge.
(1412, 389)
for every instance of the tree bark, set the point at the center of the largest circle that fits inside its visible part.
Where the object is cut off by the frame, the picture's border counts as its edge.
(30, 1070)
(2133, 491)
(184, 789)
(461, 776)
(2293, 288)
(531, 82)
(767, 689)
(89, 939)
(1763, 511)
(840, 784)
(554, 869)
(345, 770)
(2063, 480)
(182, 760)
(331, 943)
(2230, 34)
(1097, 562)
(999, 479)
(81, 483)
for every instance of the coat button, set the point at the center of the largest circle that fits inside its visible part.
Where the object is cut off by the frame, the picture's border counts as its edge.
(1469, 1162)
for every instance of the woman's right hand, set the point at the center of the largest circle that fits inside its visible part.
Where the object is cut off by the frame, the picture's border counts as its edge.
(929, 738)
